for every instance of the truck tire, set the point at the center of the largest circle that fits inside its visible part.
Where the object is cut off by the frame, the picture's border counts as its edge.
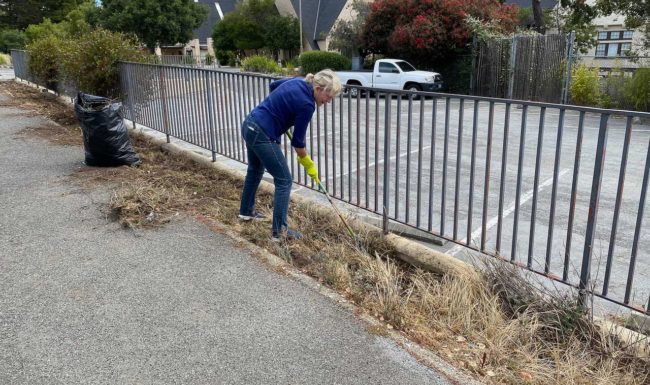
(353, 91)
(413, 87)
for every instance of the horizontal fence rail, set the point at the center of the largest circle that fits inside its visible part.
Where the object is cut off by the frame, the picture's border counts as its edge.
(558, 190)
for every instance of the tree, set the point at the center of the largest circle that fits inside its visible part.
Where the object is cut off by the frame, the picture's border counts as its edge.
(18, 14)
(538, 16)
(427, 31)
(577, 16)
(255, 24)
(347, 36)
(155, 22)
(283, 32)
(12, 39)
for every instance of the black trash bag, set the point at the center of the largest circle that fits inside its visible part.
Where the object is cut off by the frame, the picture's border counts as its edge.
(106, 140)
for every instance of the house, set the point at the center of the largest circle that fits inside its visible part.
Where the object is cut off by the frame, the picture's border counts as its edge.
(615, 41)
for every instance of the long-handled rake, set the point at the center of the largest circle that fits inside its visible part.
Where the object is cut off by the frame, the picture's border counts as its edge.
(329, 198)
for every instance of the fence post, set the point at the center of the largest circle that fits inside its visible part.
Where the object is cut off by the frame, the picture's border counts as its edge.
(585, 271)
(511, 70)
(569, 65)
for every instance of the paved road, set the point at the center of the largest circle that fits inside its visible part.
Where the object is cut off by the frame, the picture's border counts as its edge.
(85, 302)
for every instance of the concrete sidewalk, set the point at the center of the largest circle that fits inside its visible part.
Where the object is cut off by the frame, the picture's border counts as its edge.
(83, 301)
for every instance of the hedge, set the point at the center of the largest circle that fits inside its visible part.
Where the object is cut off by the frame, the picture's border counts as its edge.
(314, 61)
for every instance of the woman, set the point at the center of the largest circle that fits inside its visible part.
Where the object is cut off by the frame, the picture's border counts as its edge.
(292, 102)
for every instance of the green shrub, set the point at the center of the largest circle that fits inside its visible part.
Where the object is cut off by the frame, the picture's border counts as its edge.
(314, 61)
(45, 56)
(209, 59)
(90, 62)
(637, 90)
(5, 59)
(226, 58)
(261, 64)
(585, 88)
(12, 39)
(612, 91)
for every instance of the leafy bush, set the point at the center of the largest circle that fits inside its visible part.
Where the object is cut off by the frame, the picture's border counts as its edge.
(637, 90)
(612, 91)
(209, 59)
(585, 88)
(90, 61)
(314, 61)
(262, 64)
(45, 56)
(226, 58)
(12, 39)
(4, 59)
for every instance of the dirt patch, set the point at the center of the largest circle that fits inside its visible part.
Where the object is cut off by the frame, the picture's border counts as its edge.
(464, 319)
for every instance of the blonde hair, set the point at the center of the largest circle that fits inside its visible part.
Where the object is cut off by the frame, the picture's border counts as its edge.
(327, 80)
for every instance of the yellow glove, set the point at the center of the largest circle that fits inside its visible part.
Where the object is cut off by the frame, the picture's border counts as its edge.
(310, 167)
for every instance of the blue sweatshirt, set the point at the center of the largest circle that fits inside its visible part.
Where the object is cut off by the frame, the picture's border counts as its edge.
(290, 103)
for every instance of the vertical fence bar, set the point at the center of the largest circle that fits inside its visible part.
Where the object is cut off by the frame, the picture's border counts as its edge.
(326, 147)
(502, 182)
(320, 172)
(334, 147)
(486, 185)
(208, 89)
(367, 158)
(386, 197)
(574, 189)
(420, 146)
(459, 152)
(520, 169)
(350, 146)
(637, 229)
(445, 158)
(556, 172)
(398, 127)
(377, 151)
(617, 205)
(585, 271)
(470, 208)
(538, 163)
(408, 158)
(163, 102)
(432, 161)
(358, 156)
(341, 144)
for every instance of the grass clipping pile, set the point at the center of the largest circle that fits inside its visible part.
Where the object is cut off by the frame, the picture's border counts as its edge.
(494, 325)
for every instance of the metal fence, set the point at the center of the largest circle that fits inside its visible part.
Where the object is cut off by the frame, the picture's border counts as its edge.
(185, 60)
(558, 190)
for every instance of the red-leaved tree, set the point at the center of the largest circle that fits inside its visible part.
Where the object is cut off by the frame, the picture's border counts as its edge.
(426, 31)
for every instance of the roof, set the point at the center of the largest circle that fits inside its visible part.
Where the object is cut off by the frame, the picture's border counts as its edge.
(546, 4)
(205, 30)
(318, 17)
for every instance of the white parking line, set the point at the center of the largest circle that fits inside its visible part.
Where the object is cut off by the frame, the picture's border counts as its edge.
(494, 220)
(380, 162)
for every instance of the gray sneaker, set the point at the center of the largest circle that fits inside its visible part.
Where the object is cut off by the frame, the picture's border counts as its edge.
(288, 235)
(257, 216)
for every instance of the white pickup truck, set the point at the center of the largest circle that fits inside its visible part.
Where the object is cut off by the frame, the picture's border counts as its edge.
(392, 74)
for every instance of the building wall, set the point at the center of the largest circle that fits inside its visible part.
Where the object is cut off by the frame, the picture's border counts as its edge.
(613, 41)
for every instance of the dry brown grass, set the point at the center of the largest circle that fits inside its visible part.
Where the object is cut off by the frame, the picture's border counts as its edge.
(494, 326)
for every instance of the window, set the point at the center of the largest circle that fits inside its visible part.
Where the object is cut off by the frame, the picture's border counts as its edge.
(600, 50)
(625, 48)
(616, 35)
(405, 66)
(612, 50)
(628, 34)
(387, 68)
(602, 35)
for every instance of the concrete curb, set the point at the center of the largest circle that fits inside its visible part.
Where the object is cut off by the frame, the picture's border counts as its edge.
(408, 251)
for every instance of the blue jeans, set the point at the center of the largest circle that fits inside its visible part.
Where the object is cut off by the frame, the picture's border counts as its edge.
(264, 153)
